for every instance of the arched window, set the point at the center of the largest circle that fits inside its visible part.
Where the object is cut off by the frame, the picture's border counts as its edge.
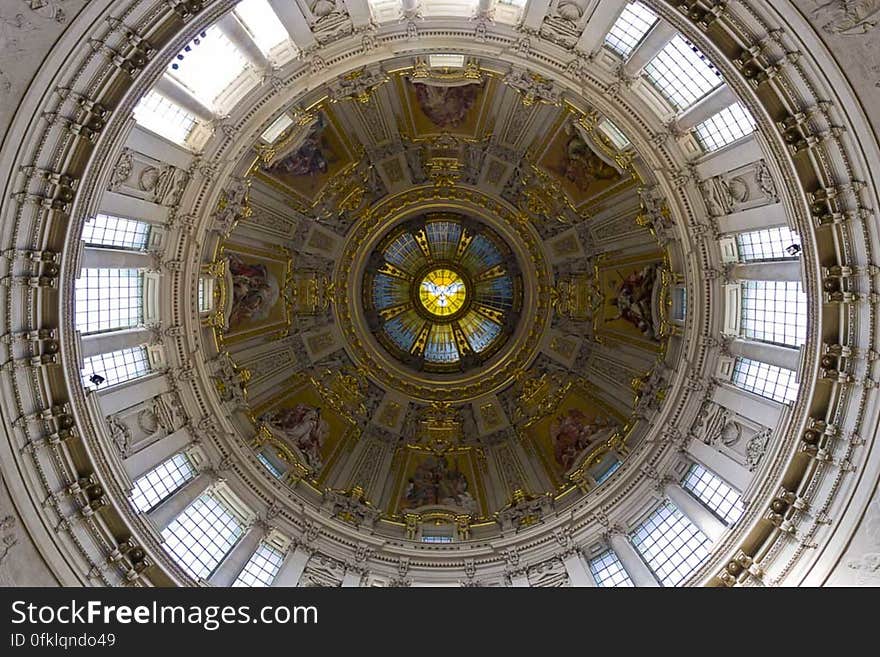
(682, 73)
(715, 494)
(109, 299)
(670, 544)
(630, 28)
(608, 572)
(168, 119)
(725, 127)
(774, 311)
(115, 367)
(106, 230)
(262, 568)
(780, 243)
(770, 381)
(202, 535)
(161, 482)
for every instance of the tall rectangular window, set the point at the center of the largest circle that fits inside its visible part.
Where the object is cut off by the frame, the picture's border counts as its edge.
(770, 381)
(780, 243)
(714, 493)
(158, 114)
(262, 568)
(161, 482)
(725, 127)
(202, 535)
(630, 28)
(774, 311)
(115, 367)
(263, 24)
(116, 232)
(207, 65)
(108, 299)
(608, 571)
(670, 544)
(682, 73)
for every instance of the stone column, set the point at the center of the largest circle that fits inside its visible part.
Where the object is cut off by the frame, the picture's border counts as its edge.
(772, 354)
(295, 22)
(601, 21)
(578, 573)
(104, 343)
(649, 47)
(169, 509)
(782, 270)
(293, 567)
(115, 259)
(177, 93)
(717, 100)
(764, 216)
(695, 511)
(765, 412)
(236, 559)
(633, 564)
(239, 35)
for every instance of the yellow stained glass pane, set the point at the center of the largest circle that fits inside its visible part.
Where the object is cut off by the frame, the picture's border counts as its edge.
(442, 292)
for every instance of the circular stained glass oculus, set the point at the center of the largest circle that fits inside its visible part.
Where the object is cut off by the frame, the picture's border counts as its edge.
(442, 292)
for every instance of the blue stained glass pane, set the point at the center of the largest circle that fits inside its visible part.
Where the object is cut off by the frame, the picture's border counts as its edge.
(480, 255)
(388, 291)
(403, 329)
(405, 253)
(479, 331)
(443, 239)
(496, 292)
(440, 347)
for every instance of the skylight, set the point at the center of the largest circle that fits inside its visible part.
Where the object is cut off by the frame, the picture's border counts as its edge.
(115, 367)
(682, 73)
(108, 299)
(730, 124)
(712, 491)
(263, 23)
(774, 311)
(161, 482)
(262, 568)
(780, 243)
(670, 544)
(116, 232)
(630, 28)
(207, 65)
(167, 119)
(770, 381)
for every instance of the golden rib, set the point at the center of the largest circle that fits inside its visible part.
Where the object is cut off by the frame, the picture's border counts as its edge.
(492, 272)
(393, 270)
(461, 341)
(494, 315)
(394, 311)
(464, 241)
(418, 347)
(421, 237)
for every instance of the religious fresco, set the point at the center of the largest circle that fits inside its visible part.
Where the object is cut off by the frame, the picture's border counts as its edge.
(305, 163)
(432, 480)
(453, 108)
(578, 426)
(632, 291)
(304, 423)
(582, 173)
(253, 281)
